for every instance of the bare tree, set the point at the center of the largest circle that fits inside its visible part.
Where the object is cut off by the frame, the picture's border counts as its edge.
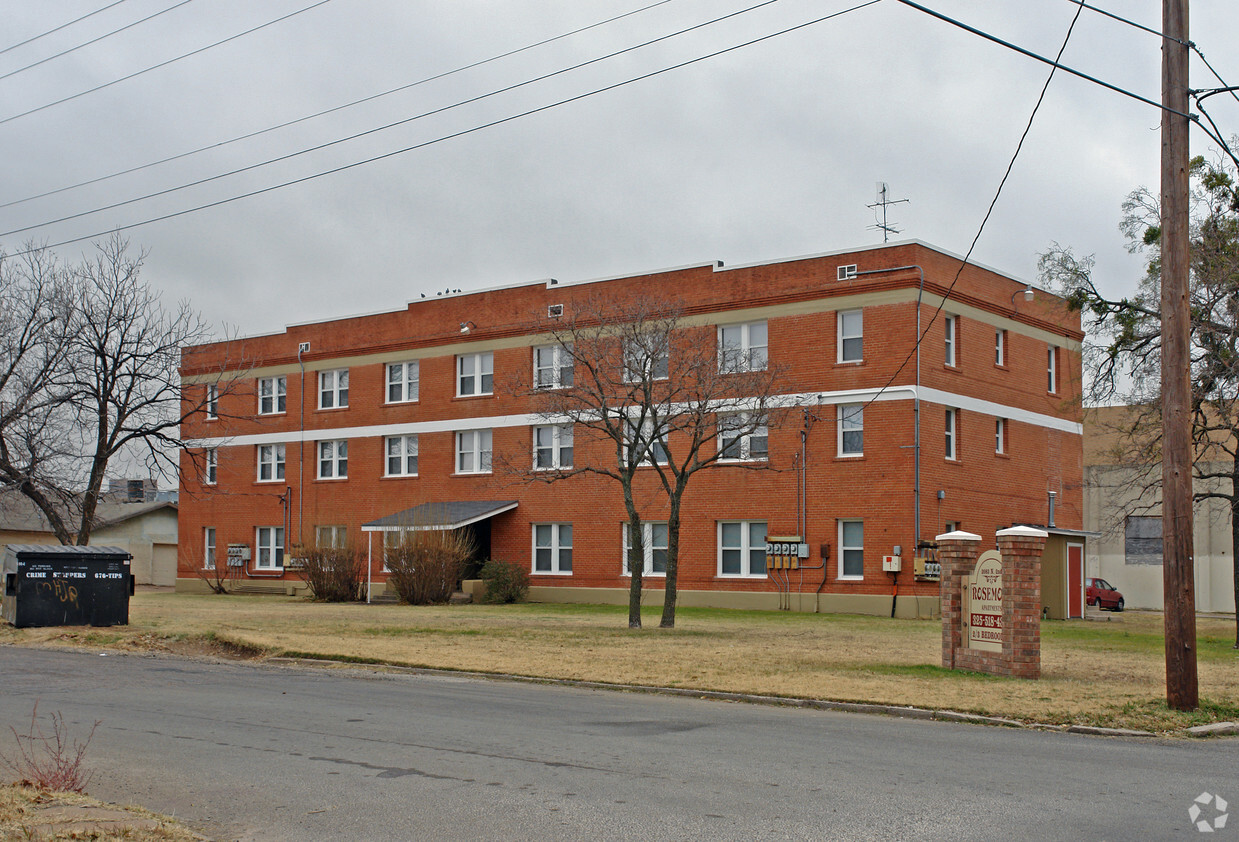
(637, 381)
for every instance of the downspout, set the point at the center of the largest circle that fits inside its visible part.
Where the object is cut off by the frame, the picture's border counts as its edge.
(301, 347)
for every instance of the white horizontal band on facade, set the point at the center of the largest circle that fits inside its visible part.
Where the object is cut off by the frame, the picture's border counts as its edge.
(449, 425)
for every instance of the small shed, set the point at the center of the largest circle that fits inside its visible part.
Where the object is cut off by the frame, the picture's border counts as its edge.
(54, 585)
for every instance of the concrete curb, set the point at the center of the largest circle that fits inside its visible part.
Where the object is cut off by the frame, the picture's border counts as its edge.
(1214, 729)
(1107, 732)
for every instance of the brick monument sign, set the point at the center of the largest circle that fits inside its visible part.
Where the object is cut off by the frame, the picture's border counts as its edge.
(991, 602)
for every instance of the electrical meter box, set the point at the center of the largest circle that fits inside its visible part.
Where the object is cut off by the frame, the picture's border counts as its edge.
(892, 563)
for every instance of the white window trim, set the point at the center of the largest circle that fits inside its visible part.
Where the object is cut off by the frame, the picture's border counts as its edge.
(651, 456)
(276, 462)
(483, 364)
(745, 439)
(208, 547)
(556, 547)
(633, 374)
(211, 466)
(561, 359)
(951, 438)
(745, 549)
(842, 336)
(647, 532)
(333, 383)
(408, 385)
(1000, 435)
(846, 413)
(279, 389)
(338, 458)
(403, 455)
(842, 549)
(277, 543)
(334, 536)
(1000, 347)
(744, 354)
(212, 402)
(1051, 367)
(558, 445)
(476, 450)
(950, 331)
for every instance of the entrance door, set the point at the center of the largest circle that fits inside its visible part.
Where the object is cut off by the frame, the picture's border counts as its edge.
(1075, 580)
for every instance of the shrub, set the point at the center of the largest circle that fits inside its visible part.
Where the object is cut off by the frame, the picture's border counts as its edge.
(424, 566)
(50, 761)
(333, 574)
(505, 582)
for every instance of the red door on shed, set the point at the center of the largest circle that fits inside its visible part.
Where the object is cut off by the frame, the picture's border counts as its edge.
(1075, 580)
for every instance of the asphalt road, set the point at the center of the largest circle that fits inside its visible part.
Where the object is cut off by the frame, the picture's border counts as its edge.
(254, 752)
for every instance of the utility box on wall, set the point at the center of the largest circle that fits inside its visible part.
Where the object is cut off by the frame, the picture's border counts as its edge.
(51, 585)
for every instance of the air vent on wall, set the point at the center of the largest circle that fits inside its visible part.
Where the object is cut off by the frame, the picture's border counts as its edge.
(554, 311)
(303, 348)
(847, 273)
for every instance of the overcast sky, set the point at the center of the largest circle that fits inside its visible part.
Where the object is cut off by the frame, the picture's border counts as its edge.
(764, 152)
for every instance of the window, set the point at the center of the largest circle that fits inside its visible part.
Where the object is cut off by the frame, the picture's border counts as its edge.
(272, 392)
(270, 462)
(742, 548)
(742, 347)
(851, 336)
(552, 548)
(742, 437)
(1051, 368)
(950, 327)
(333, 459)
(208, 548)
(212, 465)
(851, 429)
(654, 536)
(473, 452)
(552, 366)
(270, 547)
(333, 389)
(393, 539)
(552, 447)
(475, 374)
(1142, 540)
(401, 456)
(402, 382)
(654, 449)
(851, 549)
(1000, 435)
(331, 537)
(1000, 347)
(212, 401)
(952, 420)
(647, 356)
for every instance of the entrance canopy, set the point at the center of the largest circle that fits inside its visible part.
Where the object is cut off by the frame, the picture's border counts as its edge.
(428, 517)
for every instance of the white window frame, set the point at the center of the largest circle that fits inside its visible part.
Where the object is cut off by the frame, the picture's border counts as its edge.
(332, 459)
(1000, 435)
(407, 380)
(558, 449)
(269, 544)
(406, 449)
(553, 366)
(637, 365)
(1051, 368)
(275, 390)
(845, 336)
(747, 548)
(950, 333)
(851, 421)
(951, 442)
(337, 537)
(208, 548)
(481, 366)
(559, 549)
(1000, 347)
(274, 463)
(746, 352)
(476, 445)
(848, 551)
(393, 538)
(648, 530)
(333, 388)
(212, 402)
(210, 468)
(657, 453)
(743, 437)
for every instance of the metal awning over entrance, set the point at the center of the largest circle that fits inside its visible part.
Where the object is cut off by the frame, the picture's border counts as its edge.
(433, 516)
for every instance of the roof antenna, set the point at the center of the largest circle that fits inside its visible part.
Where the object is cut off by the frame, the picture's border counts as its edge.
(883, 202)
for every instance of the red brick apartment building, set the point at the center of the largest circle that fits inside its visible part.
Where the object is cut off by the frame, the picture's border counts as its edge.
(378, 414)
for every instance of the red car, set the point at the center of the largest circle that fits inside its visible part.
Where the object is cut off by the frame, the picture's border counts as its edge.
(1101, 593)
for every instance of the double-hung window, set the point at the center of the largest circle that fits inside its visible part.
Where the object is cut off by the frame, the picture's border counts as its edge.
(212, 401)
(743, 437)
(1000, 347)
(951, 444)
(211, 466)
(401, 456)
(851, 549)
(1051, 368)
(333, 388)
(653, 447)
(272, 395)
(270, 541)
(647, 357)
(270, 462)
(552, 447)
(473, 452)
(552, 548)
(654, 536)
(1000, 435)
(208, 548)
(475, 374)
(852, 429)
(950, 328)
(331, 537)
(851, 328)
(402, 382)
(333, 459)
(742, 548)
(742, 347)
(552, 366)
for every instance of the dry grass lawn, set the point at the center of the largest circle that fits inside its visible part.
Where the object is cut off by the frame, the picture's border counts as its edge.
(1107, 673)
(30, 814)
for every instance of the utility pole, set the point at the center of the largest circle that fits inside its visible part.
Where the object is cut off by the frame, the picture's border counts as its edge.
(1182, 691)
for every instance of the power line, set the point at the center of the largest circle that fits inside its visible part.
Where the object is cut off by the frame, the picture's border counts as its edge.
(1131, 23)
(34, 38)
(163, 63)
(463, 132)
(93, 40)
(333, 109)
(355, 136)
